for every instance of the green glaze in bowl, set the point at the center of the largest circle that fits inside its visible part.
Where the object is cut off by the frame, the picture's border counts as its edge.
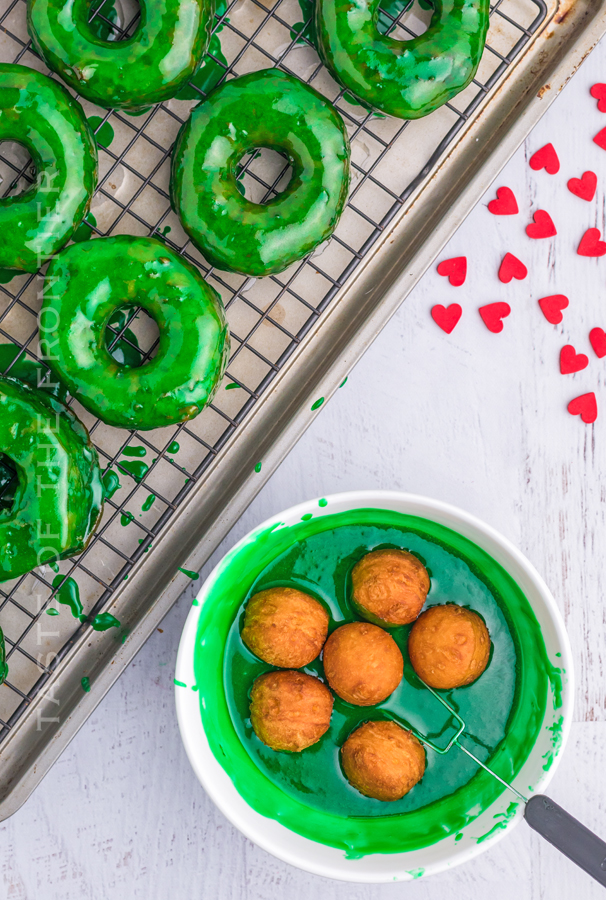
(300, 806)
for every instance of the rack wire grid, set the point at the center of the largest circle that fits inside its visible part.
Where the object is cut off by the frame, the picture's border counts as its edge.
(268, 317)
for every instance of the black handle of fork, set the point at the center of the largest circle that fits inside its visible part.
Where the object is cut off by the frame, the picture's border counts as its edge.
(569, 835)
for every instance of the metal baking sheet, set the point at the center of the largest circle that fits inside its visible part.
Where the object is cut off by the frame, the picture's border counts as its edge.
(294, 336)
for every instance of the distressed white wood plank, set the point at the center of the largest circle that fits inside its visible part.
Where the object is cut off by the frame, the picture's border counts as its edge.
(475, 419)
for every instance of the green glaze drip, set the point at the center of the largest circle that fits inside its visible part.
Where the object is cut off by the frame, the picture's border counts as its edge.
(54, 566)
(174, 447)
(148, 503)
(195, 603)
(83, 232)
(126, 349)
(344, 382)
(179, 683)
(317, 404)
(458, 837)
(3, 662)
(7, 275)
(100, 24)
(69, 595)
(306, 517)
(556, 740)
(134, 451)
(416, 873)
(306, 792)
(193, 575)
(85, 682)
(231, 386)
(136, 468)
(213, 66)
(53, 611)
(105, 134)
(258, 467)
(15, 363)
(322, 502)
(104, 621)
(9, 481)
(504, 819)
(125, 519)
(111, 483)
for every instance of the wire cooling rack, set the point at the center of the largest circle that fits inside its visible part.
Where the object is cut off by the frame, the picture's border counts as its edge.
(155, 471)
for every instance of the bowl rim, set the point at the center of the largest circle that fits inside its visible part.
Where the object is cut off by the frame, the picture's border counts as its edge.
(192, 730)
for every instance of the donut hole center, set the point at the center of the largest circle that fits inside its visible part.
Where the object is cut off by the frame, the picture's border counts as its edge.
(263, 174)
(17, 170)
(132, 336)
(9, 482)
(114, 20)
(403, 20)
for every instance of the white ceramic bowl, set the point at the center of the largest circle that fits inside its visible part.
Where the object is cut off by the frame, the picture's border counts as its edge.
(328, 861)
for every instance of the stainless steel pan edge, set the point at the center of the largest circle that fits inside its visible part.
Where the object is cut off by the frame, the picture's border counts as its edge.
(339, 338)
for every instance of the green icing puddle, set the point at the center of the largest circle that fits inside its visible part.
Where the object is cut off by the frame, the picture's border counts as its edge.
(307, 792)
(111, 483)
(69, 595)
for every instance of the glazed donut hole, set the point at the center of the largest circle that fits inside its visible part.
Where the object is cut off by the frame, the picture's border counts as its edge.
(18, 155)
(389, 587)
(285, 627)
(127, 321)
(383, 760)
(290, 710)
(261, 167)
(449, 646)
(362, 663)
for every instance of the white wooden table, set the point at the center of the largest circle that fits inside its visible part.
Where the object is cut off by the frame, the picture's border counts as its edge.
(475, 419)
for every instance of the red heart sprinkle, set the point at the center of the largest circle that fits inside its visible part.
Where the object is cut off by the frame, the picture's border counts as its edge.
(585, 186)
(446, 316)
(545, 158)
(542, 227)
(597, 339)
(590, 244)
(492, 315)
(551, 306)
(511, 267)
(599, 92)
(505, 204)
(584, 406)
(571, 361)
(600, 139)
(455, 269)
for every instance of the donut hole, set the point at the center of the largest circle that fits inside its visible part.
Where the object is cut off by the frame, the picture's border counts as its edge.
(114, 20)
(132, 336)
(404, 20)
(9, 482)
(262, 174)
(17, 169)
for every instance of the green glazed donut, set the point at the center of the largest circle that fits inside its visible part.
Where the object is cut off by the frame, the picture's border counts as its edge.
(150, 66)
(59, 498)
(405, 79)
(263, 109)
(86, 283)
(39, 114)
